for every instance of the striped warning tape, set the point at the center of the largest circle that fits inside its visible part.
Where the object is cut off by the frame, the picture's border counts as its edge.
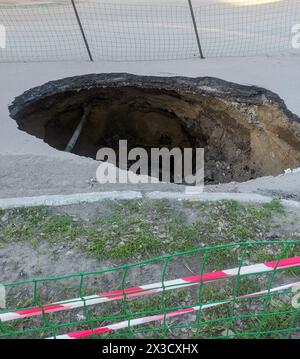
(149, 289)
(139, 321)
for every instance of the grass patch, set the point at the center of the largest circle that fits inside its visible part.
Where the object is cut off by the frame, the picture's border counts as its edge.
(137, 229)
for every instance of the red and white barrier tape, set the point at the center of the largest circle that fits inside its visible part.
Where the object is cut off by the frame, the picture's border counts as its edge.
(149, 289)
(139, 321)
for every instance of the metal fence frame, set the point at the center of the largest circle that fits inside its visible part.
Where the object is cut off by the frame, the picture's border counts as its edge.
(228, 294)
(191, 29)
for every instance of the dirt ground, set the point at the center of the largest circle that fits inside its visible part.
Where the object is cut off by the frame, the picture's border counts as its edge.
(97, 239)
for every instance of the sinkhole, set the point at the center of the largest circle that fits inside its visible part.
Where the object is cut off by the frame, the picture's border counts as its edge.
(246, 131)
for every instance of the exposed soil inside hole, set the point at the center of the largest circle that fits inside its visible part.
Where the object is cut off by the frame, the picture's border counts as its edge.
(247, 132)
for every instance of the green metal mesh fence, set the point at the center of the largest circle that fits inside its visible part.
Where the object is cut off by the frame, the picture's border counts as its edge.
(248, 290)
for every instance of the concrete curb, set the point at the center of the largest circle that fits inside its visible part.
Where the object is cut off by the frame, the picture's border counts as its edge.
(210, 196)
(63, 200)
